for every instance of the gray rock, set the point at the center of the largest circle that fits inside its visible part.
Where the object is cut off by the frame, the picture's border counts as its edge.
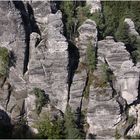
(123, 68)
(95, 5)
(49, 60)
(131, 26)
(103, 113)
(87, 34)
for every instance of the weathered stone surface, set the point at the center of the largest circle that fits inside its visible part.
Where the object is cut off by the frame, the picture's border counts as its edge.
(39, 55)
(14, 36)
(49, 60)
(135, 112)
(32, 31)
(118, 59)
(31, 112)
(131, 26)
(103, 113)
(87, 34)
(95, 5)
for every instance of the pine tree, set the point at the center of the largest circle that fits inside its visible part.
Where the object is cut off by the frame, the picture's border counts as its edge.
(50, 129)
(71, 129)
(122, 33)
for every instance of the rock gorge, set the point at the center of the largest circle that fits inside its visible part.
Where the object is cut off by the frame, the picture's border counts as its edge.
(46, 66)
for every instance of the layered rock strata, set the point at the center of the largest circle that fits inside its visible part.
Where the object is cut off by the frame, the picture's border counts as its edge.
(87, 34)
(126, 74)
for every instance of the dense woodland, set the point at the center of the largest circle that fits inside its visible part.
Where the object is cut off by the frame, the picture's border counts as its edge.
(110, 21)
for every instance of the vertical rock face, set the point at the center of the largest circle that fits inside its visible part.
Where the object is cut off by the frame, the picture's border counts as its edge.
(123, 68)
(14, 36)
(87, 34)
(103, 114)
(41, 57)
(135, 107)
(49, 60)
(104, 111)
(39, 54)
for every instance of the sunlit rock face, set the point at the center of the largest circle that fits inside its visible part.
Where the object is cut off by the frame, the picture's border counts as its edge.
(131, 26)
(128, 81)
(49, 60)
(34, 36)
(127, 75)
(104, 113)
(95, 5)
(87, 35)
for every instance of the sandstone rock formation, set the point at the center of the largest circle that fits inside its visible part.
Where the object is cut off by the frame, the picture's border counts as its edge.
(104, 107)
(95, 5)
(87, 34)
(42, 57)
(49, 60)
(34, 37)
(123, 68)
(131, 26)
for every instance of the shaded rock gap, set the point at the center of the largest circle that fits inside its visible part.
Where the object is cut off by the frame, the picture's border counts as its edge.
(33, 24)
(73, 56)
(9, 95)
(25, 19)
(81, 102)
(30, 26)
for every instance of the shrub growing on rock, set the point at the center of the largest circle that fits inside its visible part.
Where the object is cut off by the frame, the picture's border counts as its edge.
(91, 59)
(71, 129)
(50, 129)
(41, 100)
(4, 61)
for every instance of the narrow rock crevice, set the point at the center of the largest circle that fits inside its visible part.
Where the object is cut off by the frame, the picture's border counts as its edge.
(25, 19)
(8, 96)
(111, 80)
(30, 25)
(33, 25)
(73, 55)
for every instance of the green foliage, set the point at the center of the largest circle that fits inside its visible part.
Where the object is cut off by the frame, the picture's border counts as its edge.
(113, 12)
(91, 59)
(41, 99)
(102, 80)
(20, 129)
(132, 42)
(104, 69)
(71, 129)
(136, 49)
(68, 9)
(117, 134)
(88, 83)
(4, 61)
(122, 33)
(50, 129)
(104, 77)
(83, 13)
(59, 128)
(98, 18)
